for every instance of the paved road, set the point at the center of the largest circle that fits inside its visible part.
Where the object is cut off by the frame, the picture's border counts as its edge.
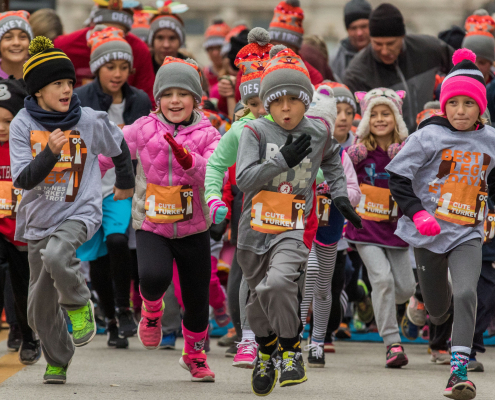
(355, 371)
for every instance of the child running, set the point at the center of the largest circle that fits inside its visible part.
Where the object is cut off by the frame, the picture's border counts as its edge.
(385, 255)
(441, 180)
(54, 148)
(276, 171)
(15, 34)
(170, 214)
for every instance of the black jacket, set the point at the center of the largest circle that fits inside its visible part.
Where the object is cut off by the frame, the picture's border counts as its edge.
(422, 57)
(137, 102)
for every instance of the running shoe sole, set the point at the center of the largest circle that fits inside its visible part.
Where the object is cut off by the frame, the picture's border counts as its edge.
(315, 365)
(292, 383)
(94, 331)
(478, 367)
(193, 379)
(398, 361)
(271, 389)
(244, 364)
(150, 347)
(417, 323)
(461, 391)
(60, 381)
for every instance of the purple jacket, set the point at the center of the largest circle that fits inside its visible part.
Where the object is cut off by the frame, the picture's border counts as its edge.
(371, 171)
(157, 165)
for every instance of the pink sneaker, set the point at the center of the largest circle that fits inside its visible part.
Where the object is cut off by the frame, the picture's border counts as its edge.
(396, 357)
(150, 328)
(246, 354)
(197, 366)
(222, 318)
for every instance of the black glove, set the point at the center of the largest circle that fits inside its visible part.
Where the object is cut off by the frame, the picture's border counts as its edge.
(295, 152)
(344, 206)
(217, 230)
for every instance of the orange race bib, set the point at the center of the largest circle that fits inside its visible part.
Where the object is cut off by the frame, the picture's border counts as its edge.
(461, 204)
(323, 210)
(377, 204)
(168, 204)
(10, 199)
(489, 227)
(275, 213)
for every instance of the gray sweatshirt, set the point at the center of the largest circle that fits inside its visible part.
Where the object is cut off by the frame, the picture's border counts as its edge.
(261, 167)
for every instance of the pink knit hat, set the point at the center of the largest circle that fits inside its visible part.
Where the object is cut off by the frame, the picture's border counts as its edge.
(465, 79)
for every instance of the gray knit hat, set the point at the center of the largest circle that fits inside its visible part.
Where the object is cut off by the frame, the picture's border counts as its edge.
(479, 37)
(356, 9)
(167, 22)
(104, 15)
(286, 25)
(342, 94)
(15, 20)
(177, 73)
(285, 74)
(108, 44)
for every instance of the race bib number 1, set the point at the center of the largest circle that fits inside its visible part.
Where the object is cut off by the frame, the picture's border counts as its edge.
(168, 204)
(275, 213)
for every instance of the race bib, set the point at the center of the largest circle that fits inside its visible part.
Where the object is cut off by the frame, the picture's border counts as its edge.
(489, 227)
(275, 213)
(377, 204)
(10, 199)
(461, 204)
(323, 210)
(168, 204)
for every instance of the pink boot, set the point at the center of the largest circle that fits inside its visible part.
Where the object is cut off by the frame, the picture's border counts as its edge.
(150, 326)
(194, 358)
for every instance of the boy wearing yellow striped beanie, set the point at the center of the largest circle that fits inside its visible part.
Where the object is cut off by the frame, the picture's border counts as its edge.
(54, 147)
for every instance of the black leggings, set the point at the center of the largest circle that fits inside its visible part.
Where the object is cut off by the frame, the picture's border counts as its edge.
(233, 286)
(193, 257)
(111, 275)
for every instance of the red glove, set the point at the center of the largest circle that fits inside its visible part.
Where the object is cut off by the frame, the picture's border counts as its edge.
(426, 223)
(181, 154)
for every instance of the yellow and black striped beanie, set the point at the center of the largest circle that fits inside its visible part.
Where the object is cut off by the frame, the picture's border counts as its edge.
(46, 65)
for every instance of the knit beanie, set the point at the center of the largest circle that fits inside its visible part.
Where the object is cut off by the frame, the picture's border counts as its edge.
(251, 60)
(108, 44)
(341, 93)
(286, 26)
(285, 74)
(177, 73)
(46, 65)
(215, 34)
(239, 26)
(430, 109)
(392, 99)
(356, 9)
(141, 25)
(167, 18)
(115, 12)
(236, 44)
(386, 21)
(479, 37)
(15, 20)
(12, 94)
(453, 36)
(464, 79)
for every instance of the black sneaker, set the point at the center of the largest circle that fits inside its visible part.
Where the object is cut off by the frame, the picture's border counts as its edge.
(30, 352)
(231, 351)
(316, 356)
(292, 370)
(113, 338)
(459, 388)
(15, 338)
(265, 373)
(127, 324)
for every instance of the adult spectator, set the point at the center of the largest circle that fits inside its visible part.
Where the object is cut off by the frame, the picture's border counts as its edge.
(356, 19)
(75, 45)
(398, 61)
(46, 22)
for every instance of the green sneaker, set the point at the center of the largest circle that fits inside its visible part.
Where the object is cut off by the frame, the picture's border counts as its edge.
(55, 375)
(83, 324)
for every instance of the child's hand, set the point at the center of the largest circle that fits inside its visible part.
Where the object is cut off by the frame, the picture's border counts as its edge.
(344, 206)
(295, 152)
(426, 223)
(122, 194)
(181, 154)
(56, 141)
(226, 86)
(218, 210)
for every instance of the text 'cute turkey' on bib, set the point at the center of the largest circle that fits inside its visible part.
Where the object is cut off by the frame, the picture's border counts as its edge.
(168, 204)
(323, 210)
(10, 198)
(377, 204)
(489, 227)
(275, 213)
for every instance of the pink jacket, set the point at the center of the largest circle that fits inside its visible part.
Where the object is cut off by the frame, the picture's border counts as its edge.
(157, 165)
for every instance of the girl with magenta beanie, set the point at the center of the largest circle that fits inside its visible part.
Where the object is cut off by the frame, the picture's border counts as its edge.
(441, 180)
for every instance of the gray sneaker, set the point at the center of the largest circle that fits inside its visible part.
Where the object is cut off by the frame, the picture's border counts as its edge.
(475, 366)
(228, 339)
(440, 357)
(416, 312)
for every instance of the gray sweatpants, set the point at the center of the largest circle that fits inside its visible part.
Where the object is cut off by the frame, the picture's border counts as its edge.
(56, 282)
(392, 279)
(464, 263)
(276, 283)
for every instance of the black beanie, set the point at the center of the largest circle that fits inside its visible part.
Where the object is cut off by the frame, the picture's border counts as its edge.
(12, 94)
(387, 21)
(46, 65)
(453, 36)
(356, 9)
(236, 44)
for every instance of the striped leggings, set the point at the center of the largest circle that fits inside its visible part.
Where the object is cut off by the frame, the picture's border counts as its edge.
(319, 274)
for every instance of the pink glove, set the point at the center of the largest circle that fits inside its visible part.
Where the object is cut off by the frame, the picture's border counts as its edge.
(426, 223)
(218, 210)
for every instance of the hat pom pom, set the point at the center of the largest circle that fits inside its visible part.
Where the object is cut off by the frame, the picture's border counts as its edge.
(39, 44)
(293, 3)
(259, 35)
(276, 49)
(463, 54)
